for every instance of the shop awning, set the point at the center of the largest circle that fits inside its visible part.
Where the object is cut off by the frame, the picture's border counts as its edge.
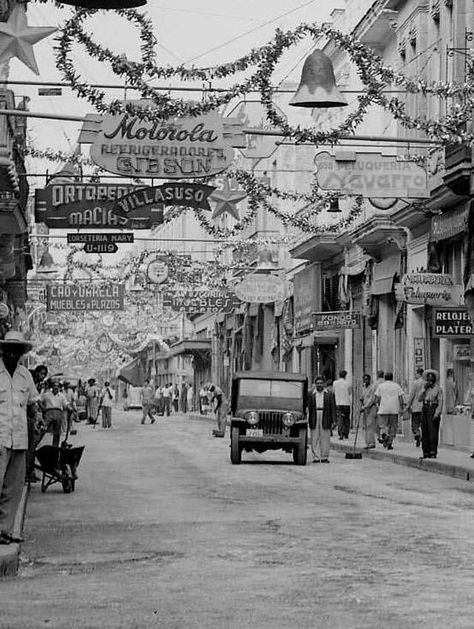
(196, 347)
(133, 373)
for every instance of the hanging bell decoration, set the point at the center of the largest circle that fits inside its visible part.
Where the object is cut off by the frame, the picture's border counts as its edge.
(105, 4)
(318, 84)
(47, 265)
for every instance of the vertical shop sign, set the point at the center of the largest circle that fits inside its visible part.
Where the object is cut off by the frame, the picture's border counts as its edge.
(419, 353)
(306, 297)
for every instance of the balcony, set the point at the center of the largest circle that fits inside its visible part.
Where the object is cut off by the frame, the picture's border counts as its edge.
(458, 167)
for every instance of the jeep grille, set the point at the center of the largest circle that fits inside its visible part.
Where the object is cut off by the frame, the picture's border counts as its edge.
(271, 422)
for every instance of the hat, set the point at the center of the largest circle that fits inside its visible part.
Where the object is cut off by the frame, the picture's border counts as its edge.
(430, 371)
(13, 337)
(91, 381)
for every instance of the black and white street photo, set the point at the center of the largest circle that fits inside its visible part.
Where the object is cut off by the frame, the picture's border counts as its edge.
(236, 314)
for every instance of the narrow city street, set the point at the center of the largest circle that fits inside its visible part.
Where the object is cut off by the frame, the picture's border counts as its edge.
(162, 531)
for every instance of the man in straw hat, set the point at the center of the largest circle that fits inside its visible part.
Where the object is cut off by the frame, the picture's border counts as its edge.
(431, 397)
(17, 390)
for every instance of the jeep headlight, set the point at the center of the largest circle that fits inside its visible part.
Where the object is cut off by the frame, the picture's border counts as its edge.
(289, 419)
(252, 418)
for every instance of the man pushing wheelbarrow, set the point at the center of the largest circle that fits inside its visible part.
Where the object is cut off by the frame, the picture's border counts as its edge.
(54, 406)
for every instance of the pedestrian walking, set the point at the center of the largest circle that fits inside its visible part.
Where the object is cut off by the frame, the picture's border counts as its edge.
(176, 398)
(190, 399)
(17, 391)
(159, 400)
(431, 396)
(183, 398)
(54, 405)
(71, 408)
(203, 401)
(35, 422)
(368, 411)
(146, 397)
(92, 395)
(415, 406)
(167, 395)
(389, 397)
(220, 408)
(342, 394)
(107, 396)
(321, 418)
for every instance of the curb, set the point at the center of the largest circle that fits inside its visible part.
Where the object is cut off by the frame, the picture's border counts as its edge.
(426, 465)
(9, 555)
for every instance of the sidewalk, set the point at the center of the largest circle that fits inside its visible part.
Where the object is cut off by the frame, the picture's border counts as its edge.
(9, 555)
(450, 461)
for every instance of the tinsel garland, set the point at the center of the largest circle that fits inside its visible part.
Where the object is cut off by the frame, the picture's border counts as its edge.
(373, 72)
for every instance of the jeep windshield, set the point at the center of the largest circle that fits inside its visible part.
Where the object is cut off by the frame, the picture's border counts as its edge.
(271, 388)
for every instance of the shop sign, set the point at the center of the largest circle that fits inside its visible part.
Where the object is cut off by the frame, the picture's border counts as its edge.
(448, 225)
(371, 175)
(186, 194)
(36, 291)
(260, 288)
(462, 352)
(419, 353)
(431, 289)
(306, 297)
(68, 296)
(100, 243)
(85, 205)
(451, 322)
(178, 148)
(192, 303)
(337, 320)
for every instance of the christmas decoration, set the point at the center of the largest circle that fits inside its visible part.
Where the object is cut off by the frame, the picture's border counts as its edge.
(17, 38)
(227, 199)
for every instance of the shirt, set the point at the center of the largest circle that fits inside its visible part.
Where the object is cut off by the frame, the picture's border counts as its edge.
(432, 395)
(107, 400)
(15, 394)
(414, 404)
(368, 396)
(389, 393)
(342, 392)
(50, 400)
(146, 394)
(319, 399)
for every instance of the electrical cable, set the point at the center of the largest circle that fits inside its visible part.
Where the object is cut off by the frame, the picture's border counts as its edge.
(253, 30)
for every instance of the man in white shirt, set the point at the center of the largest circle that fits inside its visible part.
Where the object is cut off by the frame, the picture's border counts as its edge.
(167, 393)
(389, 397)
(17, 390)
(55, 405)
(107, 396)
(342, 395)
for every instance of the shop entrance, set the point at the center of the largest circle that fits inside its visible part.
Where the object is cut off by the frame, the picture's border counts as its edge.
(324, 361)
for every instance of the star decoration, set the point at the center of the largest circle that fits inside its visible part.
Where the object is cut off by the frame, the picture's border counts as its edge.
(17, 38)
(227, 199)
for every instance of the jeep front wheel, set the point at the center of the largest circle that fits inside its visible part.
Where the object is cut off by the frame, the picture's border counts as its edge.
(300, 449)
(235, 448)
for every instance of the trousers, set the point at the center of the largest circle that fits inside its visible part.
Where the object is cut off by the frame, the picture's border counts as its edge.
(370, 424)
(106, 416)
(320, 439)
(429, 430)
(388, 423)
(12, 478)
(343, 420)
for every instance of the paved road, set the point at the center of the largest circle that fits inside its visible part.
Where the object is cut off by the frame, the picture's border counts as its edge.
(163, 532)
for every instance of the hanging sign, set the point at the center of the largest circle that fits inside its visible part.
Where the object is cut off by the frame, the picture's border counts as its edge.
(193, 195)
(260, 288)
(461, 352)
(451, 322)
(337, 320)
(4, 310)
(68, 296)
(192, 303)
(157, 270)
(371, 175)
(419, 353)
(78, 205)
(100, 243)
(431, 289)
(306, 297)
(180, 148)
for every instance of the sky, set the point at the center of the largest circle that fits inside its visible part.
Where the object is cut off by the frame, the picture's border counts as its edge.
(202, 33)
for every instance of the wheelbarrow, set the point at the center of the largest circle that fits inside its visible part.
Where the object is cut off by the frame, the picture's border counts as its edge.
(58, 465)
